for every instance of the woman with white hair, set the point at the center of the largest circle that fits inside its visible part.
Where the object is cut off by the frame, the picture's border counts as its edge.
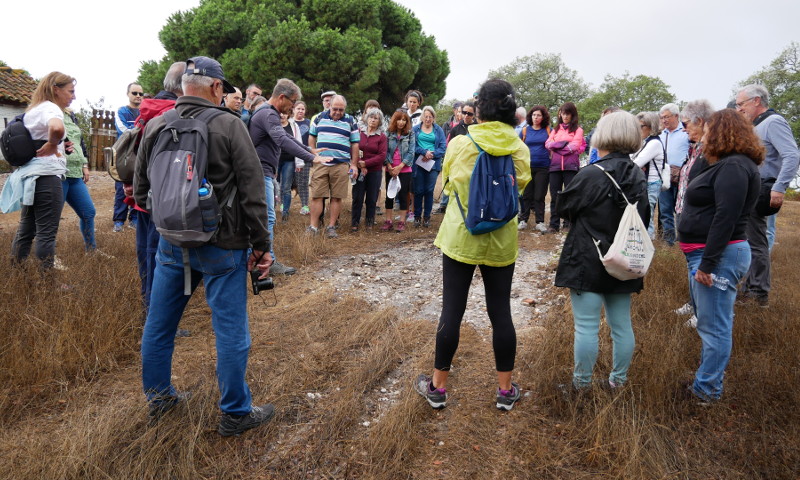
(650, 158)
(593, 205)
(373, 146)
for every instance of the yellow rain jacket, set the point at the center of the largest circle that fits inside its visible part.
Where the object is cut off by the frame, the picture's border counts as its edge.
(497, 248)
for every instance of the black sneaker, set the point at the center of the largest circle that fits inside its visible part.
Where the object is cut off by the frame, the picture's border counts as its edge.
(238, 424)
(162, 404)
(436, 397)
(507, 398)
(426, 222)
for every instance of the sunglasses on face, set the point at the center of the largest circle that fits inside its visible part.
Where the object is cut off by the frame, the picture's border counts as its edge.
(468, 114)
(137, 94)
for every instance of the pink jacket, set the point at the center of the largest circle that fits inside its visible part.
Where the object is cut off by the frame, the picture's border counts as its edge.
(566, 148)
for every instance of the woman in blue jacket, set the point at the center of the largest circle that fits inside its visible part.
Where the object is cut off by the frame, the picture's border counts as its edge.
(431, 145)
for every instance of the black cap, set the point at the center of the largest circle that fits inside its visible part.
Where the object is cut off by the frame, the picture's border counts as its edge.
(208, 67)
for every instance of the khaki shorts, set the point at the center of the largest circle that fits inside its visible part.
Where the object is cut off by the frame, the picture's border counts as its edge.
(330, 182)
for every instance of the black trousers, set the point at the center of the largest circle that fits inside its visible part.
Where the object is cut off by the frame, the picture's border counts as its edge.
(533, 196)
(40, 221)
(558, 181)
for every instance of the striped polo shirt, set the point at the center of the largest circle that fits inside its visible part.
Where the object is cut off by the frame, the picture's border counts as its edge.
(335, 135)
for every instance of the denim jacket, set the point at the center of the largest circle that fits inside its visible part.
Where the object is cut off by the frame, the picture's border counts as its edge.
(407, 144)
(440, 145)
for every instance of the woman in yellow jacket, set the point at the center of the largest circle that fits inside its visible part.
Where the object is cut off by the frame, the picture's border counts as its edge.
(495, 253)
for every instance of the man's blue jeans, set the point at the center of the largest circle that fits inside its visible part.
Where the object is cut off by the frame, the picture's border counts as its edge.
(269, 186)
(586, 312)
(224, 274)
(147, 238)
(286, 177)
(666, 209)
(771, 231)
(714, 310)
(77, 196)
(121, 210)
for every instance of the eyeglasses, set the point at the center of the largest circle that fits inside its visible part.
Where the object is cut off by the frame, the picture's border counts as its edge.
(741, 104)
(337, 109)
(468, 114)
(667, 117)
(137, 94)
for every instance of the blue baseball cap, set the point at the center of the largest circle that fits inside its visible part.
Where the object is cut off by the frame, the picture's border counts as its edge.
(208, 67)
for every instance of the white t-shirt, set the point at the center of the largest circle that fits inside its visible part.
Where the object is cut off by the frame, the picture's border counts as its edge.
(653, 154)
(36, 122)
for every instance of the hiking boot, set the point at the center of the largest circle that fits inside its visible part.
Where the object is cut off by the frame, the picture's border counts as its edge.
(426, 222)
(305, 210)
(284, 217)
(118, 226)
(400, 227)
(436, 397)
(312, 230)
(237, 424)
(277, 268)
(387, 226)
(541, 227)
(507, 398)
(330, 232)
(522, 225)
(686, 309)
(161, 404)
(417, 222)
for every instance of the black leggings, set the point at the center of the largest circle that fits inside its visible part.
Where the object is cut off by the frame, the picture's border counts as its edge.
(457, 278)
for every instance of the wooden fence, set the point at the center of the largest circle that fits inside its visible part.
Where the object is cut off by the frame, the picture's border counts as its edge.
(104, 133)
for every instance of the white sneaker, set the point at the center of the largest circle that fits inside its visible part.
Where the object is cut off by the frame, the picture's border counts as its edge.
(522, 225)
(692, 322)
(541, 227)
(686, 309)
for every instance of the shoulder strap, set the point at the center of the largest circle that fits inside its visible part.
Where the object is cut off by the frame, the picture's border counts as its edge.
(614, 182)
(524, 132)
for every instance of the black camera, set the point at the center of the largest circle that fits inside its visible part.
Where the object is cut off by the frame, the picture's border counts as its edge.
(260, 285)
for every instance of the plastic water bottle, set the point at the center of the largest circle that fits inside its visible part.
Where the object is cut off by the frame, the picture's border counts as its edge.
(208, 207)
(352, 177)
(718, 282)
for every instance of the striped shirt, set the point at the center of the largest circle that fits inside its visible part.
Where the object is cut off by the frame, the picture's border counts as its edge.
(335, 135)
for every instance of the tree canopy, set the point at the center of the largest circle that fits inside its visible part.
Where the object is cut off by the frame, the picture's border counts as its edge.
(362, 49)
(641, 93)
(782, 80)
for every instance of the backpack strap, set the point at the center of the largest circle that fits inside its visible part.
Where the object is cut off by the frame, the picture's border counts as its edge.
(614, 182)
(458, 199)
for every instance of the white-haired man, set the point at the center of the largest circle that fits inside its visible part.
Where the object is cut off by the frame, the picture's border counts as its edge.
(676, 143)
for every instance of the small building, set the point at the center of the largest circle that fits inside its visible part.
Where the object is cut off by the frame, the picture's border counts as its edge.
(16, 89)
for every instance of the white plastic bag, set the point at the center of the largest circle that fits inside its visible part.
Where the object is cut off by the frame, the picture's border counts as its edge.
(630, 255)
(393, 187)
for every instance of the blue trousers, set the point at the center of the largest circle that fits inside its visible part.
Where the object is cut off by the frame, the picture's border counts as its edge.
(121, 210)
(269, 186)
(224, 274)
(77, 196)
(286, 171)
(147, 238)
(423, 186)
(666, 211)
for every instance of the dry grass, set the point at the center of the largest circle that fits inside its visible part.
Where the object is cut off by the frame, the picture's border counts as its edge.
(73, 407)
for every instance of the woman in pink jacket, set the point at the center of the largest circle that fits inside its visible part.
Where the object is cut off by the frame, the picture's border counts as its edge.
(566, 144)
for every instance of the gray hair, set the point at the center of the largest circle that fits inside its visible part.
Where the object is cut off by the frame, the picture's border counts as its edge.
(339, 97)
(428, 108)
(671, 108)
(257, 102)
(374, 112)
(197, 81)
(521, 112)
(287, 88)
(651, 120)
(697, 110)
(172, 80)
(617, 132)
(755, 90)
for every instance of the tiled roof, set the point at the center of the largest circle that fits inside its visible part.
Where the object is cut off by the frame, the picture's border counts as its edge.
(16, 86)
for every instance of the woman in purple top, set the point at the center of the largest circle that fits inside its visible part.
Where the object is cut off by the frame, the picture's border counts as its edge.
(373, 145)
(535, 135)
(566, 144)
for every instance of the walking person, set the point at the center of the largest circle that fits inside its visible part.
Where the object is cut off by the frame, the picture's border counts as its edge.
(495, 253)
(593, 206)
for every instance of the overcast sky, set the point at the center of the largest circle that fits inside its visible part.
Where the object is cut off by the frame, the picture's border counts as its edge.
(700, 49)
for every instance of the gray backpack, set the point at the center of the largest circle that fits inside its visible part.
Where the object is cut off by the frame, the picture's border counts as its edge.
(183, 204)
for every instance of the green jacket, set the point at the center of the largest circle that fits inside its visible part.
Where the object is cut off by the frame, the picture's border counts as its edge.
(497, 248)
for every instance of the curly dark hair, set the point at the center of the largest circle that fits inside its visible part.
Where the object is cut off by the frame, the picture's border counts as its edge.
(397, 115)
(545, 116)
(728, 132)
(497, 102)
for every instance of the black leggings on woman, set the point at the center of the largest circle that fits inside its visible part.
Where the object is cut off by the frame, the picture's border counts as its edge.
(457, 278)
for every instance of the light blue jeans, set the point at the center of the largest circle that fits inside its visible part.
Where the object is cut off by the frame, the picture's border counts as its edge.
(653, 191)
(586, 312)
(77, 196)
(771, 231)
(714, 309)
(269, 186)
(287, 175)
(224, 274)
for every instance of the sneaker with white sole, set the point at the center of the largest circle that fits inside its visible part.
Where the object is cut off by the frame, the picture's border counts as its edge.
(685, 309)
(277, 268)
(692, 322)
(304, 210)
(541, 227)
(522, 225)
(507, 398)
(330, 232)
(238, 424)
(436, 397)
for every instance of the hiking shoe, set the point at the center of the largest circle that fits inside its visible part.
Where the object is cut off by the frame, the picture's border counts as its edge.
(692, 322)
(238, 424)
(410, 217)
(417, 222)
(387, 225)
(522, 225)
(400, 227)
(133, 224)
(507, 398)
(378, 211)
(426, 222)
(284, 217)
(685, 309)
(161, 404)
(330, 232)
(312, 230)
(541, 227)
(182, 333)
(304, 210)
(440, 210)
(436, 397)
(277, 268)
(118, 226)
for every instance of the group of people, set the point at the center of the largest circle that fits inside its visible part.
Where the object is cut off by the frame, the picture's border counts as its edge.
(721, 168)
